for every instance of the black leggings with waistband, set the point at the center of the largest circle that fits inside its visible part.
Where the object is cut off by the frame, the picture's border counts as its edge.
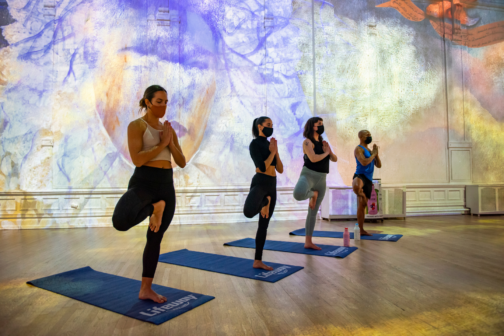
(262, 186)
(148, 185)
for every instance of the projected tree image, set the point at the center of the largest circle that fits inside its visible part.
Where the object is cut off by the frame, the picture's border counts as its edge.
(72, 73)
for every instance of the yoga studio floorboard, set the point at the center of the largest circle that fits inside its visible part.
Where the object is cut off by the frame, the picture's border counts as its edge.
(445, 276)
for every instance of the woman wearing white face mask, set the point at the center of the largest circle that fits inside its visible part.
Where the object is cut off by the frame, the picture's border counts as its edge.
(150, 190)
(312, 182)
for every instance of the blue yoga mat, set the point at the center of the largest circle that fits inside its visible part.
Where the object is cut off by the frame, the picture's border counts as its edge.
(283, 246)
(228, 265)
(334, 234)
(120, 295)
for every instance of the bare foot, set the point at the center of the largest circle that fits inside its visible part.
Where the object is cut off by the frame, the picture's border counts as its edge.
(265, 209)
(364, 233)
(149, 294)
(260, 264)
(157, 216)
(313, 200)
(312, 246)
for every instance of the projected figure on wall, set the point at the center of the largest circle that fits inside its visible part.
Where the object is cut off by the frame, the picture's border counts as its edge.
(455, 11)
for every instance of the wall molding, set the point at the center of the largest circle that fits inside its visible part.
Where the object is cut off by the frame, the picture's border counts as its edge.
(94, 208)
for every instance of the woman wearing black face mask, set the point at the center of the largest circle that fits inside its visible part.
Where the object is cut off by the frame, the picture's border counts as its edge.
(312, 182)
(262, 196)
(150, 191)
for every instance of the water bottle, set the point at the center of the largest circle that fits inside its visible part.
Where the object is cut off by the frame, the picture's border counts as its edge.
(373, 202)
(346, 238)
(356, 232)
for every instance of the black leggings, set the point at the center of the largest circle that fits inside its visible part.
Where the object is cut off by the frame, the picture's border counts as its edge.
(261, 187)
(148, 185)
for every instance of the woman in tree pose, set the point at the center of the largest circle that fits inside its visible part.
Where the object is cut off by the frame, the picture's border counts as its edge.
(152, 145)
(262, 196)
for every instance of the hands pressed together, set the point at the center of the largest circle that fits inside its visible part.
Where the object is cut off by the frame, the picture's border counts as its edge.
(326, 148)
(273, 147)
(166, 134)
(375, 150)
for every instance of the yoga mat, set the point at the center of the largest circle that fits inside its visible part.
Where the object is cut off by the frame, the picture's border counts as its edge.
(334, 234)
(283, 246)
(120, 295)
(228, 265)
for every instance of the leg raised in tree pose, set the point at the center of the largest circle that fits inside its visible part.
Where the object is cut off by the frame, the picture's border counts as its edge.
(362, 184)
(150, 191)
(312, 182)
(262, 196)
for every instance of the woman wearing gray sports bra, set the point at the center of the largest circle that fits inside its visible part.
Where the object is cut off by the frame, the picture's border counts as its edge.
(150, 191)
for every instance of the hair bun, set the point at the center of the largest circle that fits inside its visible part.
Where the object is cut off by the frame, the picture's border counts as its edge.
(142, 103)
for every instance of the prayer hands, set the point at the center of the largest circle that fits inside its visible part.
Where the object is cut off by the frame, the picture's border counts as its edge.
(166, 134)
(273, 147)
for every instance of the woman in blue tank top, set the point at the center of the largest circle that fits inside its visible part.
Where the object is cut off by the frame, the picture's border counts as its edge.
(363, 178)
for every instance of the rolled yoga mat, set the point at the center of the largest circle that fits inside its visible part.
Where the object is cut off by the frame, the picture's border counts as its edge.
(283, 246)
(335, 234)
(120, 295)
(228, 265)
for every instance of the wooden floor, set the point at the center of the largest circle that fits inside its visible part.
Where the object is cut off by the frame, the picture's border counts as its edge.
(444, 277)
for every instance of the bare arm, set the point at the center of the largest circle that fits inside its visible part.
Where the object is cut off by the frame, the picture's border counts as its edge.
(308, 150)
(135, 143)
(268, 161)
(359, 154)
(176, 151)
(377, 160)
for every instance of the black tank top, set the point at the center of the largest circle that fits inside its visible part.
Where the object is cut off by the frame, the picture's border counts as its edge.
(323, 165)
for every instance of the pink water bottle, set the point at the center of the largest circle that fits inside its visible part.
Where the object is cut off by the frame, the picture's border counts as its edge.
(373, 202)
(346, 238)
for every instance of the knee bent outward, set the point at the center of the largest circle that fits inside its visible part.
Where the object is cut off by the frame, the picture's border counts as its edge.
(299, 195)
(120, 224)
(248, 213)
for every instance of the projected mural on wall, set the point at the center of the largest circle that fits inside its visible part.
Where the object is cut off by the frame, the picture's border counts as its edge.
(72, 73)
(481, 36)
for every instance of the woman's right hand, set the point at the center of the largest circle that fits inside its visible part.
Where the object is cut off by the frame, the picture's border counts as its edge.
(166, 134)
(273, 146)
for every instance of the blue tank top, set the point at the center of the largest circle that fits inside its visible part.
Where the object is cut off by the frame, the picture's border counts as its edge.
(365, 170)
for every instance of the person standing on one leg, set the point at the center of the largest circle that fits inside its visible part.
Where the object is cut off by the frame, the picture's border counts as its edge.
(312, 182)
(150, 190)
(262, 196)
(363, 178)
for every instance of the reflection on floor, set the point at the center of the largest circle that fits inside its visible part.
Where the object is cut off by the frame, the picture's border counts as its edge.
(444, 277)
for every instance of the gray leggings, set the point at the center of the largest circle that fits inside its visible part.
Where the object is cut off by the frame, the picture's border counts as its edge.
(310, 181)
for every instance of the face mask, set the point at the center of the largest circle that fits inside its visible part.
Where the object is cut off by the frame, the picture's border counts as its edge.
(369, 140)
(267, 131)
(158, 111)
(320, 130)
